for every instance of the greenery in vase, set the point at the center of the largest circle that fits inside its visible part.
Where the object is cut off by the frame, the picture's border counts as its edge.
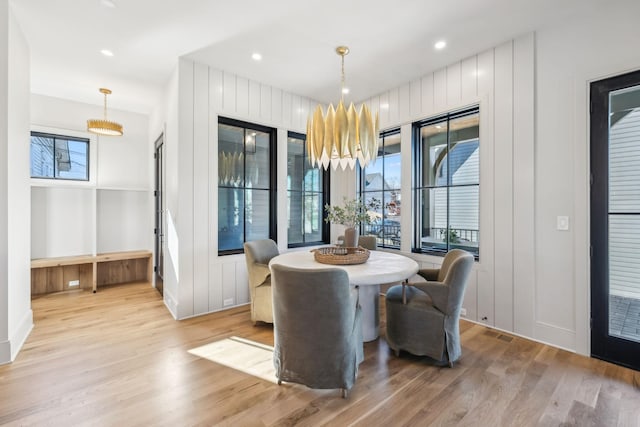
(452, 235)
(352, 213)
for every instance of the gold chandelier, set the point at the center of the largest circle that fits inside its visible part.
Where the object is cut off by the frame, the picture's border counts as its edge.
(343, 135)
(104, 126)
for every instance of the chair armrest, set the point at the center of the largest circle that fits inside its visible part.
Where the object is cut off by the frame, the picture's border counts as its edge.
(262, 272)
(430, 274)
(438, 291)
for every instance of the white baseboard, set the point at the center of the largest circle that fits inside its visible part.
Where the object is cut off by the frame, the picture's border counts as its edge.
(9, 349)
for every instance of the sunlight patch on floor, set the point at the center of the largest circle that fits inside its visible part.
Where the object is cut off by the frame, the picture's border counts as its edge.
(244, 355)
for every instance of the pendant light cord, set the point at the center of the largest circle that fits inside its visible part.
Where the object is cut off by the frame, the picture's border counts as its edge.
(105, 106)
(342, 80)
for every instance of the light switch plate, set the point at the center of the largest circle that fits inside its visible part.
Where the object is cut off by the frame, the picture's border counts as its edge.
(563, 223)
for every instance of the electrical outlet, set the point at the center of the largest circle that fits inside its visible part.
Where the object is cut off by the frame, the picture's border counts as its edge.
(463, 312)
(562, 223)
(228, 301)
(74, 283)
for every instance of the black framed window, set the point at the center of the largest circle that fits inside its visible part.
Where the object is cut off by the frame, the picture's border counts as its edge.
(381, 181)
(59, 157)
(246, 184)
(447, 182)
(307, 193)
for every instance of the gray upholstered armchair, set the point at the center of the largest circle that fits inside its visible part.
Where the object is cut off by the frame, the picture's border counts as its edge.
(368, 242)
(365, 241)
(317, 327)
(258, 253)
(422, 318)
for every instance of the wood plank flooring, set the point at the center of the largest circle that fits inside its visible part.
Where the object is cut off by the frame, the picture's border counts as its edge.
(117, 358)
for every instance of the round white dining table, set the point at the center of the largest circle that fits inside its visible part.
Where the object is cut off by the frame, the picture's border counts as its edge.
(381, 268)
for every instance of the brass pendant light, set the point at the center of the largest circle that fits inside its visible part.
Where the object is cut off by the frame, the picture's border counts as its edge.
(342, 136)
(104, 126)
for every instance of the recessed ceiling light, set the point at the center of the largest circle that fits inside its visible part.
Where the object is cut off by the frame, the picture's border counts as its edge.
(108, 3)
(256, 56)
(345, 90)
(106, 52)
(440, 44)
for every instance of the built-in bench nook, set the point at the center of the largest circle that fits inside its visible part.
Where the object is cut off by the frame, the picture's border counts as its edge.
(89, 271)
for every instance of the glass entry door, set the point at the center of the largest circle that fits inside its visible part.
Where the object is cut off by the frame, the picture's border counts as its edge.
(615, 219)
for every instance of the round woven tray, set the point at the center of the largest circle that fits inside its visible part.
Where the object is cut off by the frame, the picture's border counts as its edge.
(341, 256)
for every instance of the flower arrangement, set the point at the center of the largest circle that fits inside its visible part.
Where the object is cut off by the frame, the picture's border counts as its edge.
(353, 212)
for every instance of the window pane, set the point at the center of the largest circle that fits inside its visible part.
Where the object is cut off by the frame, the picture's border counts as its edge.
(433, 235)
(382, 181)
(464, 217)
(313, 179)
(42, 157)
(305, 196)
(434, 154)
(71, 159)
(463, 162)
(376, 227)
(295, 164)
(59, 157)
(391, 161)
(296, 217)
(624, 151)
(447, 182)
(313, 210)
(258, 159)
(257, 214)
(373, 178)
(230, 156)
(244, 184)
(230, 218)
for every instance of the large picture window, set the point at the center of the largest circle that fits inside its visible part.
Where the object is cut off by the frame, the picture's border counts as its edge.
(59, 157)
(246, 184)
(447, 182)
(381, 181)
(307, 193)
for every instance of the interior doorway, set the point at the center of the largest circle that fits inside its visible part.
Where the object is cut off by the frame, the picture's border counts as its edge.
(158, 267)
(615, 219)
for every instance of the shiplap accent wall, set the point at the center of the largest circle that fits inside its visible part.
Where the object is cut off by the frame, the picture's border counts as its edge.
(501, 291)
(206, 280)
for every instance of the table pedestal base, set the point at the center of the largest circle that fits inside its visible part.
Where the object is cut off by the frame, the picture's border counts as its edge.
(369, 301)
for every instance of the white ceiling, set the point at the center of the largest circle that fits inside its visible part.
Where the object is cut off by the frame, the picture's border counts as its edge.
(391, 41)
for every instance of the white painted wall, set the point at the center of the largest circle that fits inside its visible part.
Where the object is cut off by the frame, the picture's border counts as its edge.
(164, 120)
(62, 221)
(587, 48)
(111, 212)
(5, 344)
(123, 162)
(16, 318)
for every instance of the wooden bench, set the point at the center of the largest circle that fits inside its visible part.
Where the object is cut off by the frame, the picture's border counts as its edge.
(54, 274)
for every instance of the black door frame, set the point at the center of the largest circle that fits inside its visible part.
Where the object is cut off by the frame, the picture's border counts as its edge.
(158, 265)
(604, 346)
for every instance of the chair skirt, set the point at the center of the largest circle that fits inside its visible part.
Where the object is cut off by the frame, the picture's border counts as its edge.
(417, 327)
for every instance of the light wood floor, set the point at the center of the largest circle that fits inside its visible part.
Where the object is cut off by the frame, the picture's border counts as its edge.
(117, 358)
